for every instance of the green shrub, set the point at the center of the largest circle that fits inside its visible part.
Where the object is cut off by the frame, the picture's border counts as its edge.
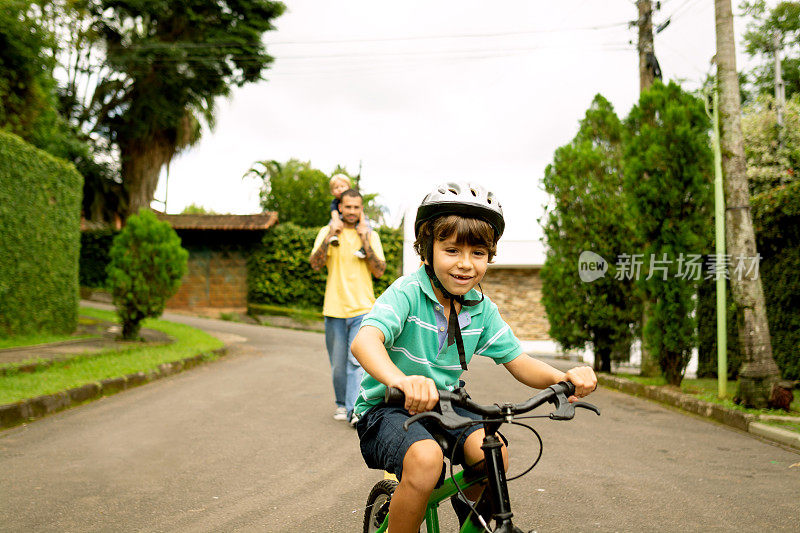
(279, 272)
(40, 198)
(95, 246)
(147, 264)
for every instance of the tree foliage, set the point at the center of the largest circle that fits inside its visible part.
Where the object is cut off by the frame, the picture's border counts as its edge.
(301, 194)
(585, 182)
(667, 168)
(25, 88)
(194, 209)
(142, 75)
(782, 20)
(29, 104)
(146, 267)
(773, 153)
(298, 192)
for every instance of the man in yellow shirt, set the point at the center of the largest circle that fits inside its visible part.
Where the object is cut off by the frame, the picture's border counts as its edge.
(348, 295)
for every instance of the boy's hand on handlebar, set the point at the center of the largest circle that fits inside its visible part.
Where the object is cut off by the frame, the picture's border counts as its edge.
(421, 393)
(584, 380)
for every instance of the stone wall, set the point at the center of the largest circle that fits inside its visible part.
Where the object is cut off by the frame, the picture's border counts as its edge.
(214, 279)
(518, 295)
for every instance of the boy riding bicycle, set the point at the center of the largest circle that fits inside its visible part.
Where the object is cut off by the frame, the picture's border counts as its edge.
(421, 334)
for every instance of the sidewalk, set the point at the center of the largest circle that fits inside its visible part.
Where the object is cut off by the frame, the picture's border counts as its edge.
(719, 413)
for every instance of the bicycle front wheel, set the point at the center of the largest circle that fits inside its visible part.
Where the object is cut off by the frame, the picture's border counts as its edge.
(378, 505)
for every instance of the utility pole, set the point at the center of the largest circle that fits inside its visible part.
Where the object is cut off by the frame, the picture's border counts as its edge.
(648, 66)
(648, 71)
(780, 91)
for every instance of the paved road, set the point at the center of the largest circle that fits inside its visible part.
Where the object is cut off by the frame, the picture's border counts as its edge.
(248, 444)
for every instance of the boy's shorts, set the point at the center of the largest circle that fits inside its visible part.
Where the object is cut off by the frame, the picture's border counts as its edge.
(384, 442)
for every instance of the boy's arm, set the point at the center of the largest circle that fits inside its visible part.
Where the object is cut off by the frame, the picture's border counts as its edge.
(540, 375)
(368, 349)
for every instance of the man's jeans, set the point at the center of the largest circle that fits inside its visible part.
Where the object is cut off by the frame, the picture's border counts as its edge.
(347, 373)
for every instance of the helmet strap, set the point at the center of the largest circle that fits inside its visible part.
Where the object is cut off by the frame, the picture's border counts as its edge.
(453, 327)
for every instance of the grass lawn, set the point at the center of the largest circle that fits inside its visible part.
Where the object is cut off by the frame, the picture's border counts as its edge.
(80, 370)
(706, 389)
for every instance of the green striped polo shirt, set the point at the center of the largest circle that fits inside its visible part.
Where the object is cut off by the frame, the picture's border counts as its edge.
(413, 323)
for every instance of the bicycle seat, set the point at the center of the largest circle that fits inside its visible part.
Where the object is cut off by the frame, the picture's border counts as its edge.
(443, 439)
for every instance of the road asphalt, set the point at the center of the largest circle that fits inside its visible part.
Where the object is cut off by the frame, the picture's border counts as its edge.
(247, 443)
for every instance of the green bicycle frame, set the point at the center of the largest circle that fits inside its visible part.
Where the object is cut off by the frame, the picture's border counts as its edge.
(447, 490)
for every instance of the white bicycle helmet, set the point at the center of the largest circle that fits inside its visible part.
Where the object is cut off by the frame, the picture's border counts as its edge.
(465, 199)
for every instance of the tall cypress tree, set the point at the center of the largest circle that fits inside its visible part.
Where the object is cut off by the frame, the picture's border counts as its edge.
(667, 169)
(585, 182)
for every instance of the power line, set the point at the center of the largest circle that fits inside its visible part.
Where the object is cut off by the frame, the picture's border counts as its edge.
(356, 55)
(189, 44)
(408, 65)
(454, 36)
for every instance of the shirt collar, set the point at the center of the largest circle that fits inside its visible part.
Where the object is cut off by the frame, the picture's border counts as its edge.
(427, 288)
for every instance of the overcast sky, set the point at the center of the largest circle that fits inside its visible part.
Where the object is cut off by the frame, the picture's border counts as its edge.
(423, 92)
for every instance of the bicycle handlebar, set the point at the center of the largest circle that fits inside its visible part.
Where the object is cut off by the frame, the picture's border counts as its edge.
(556, 394)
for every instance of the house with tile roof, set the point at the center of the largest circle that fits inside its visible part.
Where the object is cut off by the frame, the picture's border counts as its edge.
(218, 247)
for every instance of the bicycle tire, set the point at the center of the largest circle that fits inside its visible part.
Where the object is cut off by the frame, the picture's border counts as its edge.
(378, 504)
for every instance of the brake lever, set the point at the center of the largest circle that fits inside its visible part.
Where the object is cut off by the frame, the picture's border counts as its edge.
(589, 406)
(565, 410)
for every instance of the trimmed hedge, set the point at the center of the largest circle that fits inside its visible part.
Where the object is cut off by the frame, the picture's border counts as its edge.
(40, 201)
(392, 242)
(279, 272)
(776, 219)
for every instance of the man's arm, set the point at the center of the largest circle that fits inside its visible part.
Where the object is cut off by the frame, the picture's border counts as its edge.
(375, 265)
(320, 255)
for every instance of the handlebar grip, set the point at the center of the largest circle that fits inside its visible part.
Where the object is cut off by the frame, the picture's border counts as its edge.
(395, 397)
(569, 388)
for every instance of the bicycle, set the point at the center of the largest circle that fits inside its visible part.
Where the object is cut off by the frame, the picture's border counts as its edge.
(495, 501)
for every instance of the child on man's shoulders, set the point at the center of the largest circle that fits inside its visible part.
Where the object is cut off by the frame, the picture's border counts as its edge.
(338, 184)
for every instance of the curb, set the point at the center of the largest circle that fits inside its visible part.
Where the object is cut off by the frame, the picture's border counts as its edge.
(686, 402)
(31, 409)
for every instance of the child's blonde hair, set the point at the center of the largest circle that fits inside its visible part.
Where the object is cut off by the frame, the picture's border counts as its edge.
(338, 177)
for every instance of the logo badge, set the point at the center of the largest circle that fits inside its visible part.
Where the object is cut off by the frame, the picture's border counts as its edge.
(591, 266)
